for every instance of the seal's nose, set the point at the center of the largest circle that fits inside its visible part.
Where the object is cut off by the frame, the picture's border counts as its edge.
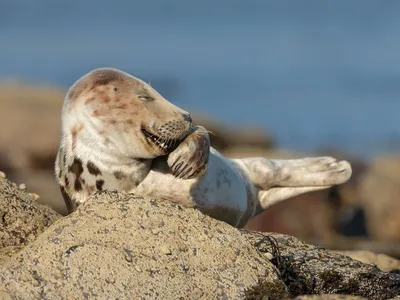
(187, 118)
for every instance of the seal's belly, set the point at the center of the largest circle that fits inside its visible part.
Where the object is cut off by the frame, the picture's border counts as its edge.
(220, 192)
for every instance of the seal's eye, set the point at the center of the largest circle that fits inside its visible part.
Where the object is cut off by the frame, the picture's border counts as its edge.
(145, 97)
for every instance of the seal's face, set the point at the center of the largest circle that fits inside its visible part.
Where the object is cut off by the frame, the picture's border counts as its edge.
(112, 109)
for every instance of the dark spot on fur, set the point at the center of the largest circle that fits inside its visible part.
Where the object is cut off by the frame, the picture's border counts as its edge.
(106, 99)
(93, 169)
(103, 80)
(66, 180)
(76, 91)
(119, 175)
(90, 99)
(77, 185)
(76, 169)
(60, 160)
(130, 122)
(67, 200)
(120, 106)
(99, 184)
(71, 94)
(74, 132)
(100, 112)
(112, 121)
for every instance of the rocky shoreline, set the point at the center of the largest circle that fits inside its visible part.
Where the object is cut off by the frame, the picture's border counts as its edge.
(128, 247)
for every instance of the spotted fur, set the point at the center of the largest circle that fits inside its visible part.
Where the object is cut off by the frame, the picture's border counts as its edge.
(118, 133)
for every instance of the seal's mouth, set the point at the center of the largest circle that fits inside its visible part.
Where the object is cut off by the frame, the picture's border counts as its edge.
(166, 145)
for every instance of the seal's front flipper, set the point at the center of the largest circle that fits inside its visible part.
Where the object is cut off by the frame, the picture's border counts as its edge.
(190, 158)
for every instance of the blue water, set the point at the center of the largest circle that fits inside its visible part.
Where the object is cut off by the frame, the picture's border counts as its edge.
(313, 73)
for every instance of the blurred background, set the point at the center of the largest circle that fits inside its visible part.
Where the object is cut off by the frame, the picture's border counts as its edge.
(272, 78)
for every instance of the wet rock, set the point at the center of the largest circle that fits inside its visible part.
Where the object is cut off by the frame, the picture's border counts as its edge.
(109, 247)
(307, 269)
(380, 194)
(122, 245)
(21, 218)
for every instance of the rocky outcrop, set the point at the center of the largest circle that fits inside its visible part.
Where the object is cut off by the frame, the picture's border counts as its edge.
(329, 297)
(122, 245)
(22, 219)
(308, 269)
(130, 247)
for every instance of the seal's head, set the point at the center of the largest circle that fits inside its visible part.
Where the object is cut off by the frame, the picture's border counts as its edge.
(113, 111)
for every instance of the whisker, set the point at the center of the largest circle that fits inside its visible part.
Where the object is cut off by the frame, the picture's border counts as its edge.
(204, 131)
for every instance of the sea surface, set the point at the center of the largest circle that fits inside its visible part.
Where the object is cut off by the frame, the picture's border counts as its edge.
(315, 74)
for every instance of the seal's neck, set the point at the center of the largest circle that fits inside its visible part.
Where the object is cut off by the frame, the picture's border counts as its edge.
(106, 159)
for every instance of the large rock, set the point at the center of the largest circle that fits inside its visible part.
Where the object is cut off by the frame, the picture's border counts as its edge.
(125, 246)
(307, 269)
(380, 193)
(22, 219)
(130, 247)
(329, 297)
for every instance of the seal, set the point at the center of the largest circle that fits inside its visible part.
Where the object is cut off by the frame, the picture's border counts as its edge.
(118, 133)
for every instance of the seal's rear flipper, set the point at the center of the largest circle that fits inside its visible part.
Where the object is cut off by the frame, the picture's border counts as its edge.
(304, 172)
(275, 195)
